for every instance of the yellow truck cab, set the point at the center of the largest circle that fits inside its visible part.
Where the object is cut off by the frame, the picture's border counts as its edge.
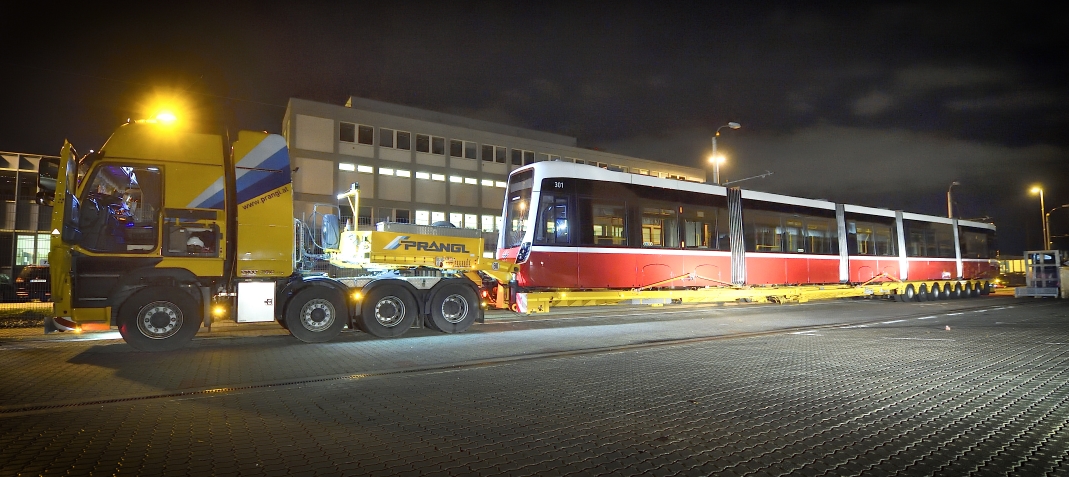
(160, 223)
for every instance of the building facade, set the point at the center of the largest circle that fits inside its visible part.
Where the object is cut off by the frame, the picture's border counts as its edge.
(423, 167)
(24, 225)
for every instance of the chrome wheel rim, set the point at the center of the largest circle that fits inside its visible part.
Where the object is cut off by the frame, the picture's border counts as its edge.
(317, 315)
(389, 311)
(159, 320)
(454, 308)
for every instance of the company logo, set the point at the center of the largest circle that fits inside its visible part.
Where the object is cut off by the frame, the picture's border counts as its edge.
(402, 240)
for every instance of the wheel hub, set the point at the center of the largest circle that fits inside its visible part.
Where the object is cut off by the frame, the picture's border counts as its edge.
(159, 320)
(454, 308)
(317, 315)
(389, 311)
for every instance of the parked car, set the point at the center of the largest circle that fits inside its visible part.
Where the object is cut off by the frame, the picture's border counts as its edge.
(32, 284)
(7, 288)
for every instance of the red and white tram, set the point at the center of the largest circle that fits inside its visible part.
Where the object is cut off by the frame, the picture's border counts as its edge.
(573, 226)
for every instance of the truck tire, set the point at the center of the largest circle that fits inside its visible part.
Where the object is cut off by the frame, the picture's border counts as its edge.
(454, 308)
(316, 314)
(388, 312)
(159, 319)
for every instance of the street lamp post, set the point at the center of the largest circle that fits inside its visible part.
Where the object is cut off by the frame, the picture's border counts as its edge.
(715, 159)
(1046, 223)
(1043, 216)
(950, 203)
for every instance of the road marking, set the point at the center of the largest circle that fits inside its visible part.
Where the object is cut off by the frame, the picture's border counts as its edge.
(920, 339)
(893, 321)
(927, 317)
(954, 314)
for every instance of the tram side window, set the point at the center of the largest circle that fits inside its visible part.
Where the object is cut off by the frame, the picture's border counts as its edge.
(554, 226)
(705, 228)
(608, 222)
(975, 244)
(926, 239)
(822, 236)
(762, 232)
(866, 238)
(659, 227)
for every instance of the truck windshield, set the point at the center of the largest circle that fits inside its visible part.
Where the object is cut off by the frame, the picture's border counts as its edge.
(517, 208)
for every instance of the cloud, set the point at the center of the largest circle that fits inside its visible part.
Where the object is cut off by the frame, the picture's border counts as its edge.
(1009, 102)
(923, 78)
(873, 104)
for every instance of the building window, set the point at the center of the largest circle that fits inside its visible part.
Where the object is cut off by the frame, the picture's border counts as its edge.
(394, 139)
(542, 157)
(487, 183)
(456, 219)
(488, 223)
(347, 132)
(437, 217)
(345, 166)
(423, 175)
(430, 144)
(458, 148)
(438, 177)
(386, 137)
(365, 169)
(423, 217)
(471, 221)
(365, 134)
(403, 173)
(522, 158)
(494, 154)
(385, 171)
(471, 181)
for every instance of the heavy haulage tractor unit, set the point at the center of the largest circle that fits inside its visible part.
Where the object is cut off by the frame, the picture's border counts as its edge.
(161, 227)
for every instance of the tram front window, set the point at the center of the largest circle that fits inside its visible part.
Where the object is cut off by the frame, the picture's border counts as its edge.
(517, 208)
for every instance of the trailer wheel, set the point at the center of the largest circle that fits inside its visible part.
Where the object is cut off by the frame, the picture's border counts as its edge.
(974, 290)
(454, 308)
(316, 314)
(987, 289)
(922, 293)
(159, 319)
(388, 311)
(909, 293)
(957, 291)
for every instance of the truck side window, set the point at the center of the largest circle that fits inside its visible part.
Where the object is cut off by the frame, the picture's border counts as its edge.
(121, 209)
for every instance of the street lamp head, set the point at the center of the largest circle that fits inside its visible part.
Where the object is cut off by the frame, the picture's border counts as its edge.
(1037, 190)
(717, 159)
(734, 125)
(955, 183)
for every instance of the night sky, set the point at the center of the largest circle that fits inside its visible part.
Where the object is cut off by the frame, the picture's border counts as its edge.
(879, 104)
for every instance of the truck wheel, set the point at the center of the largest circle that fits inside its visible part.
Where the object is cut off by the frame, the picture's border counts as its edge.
(388, 311)
(159, 319)
(316, 314)
(454, 308)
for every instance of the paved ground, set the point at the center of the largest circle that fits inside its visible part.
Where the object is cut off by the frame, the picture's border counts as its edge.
(840, 388)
